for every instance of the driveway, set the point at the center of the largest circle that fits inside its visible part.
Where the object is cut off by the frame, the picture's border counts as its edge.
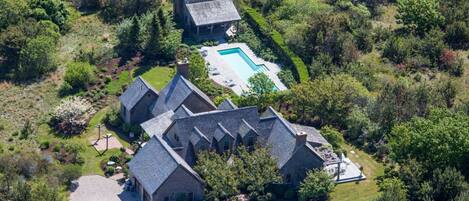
(99, 188)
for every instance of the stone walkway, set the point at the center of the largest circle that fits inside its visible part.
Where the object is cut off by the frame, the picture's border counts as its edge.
(98, 188)
(100, 145)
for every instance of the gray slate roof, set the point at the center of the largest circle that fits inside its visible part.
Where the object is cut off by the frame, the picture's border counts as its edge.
(157, 125)
(135, 92)
(207, 122)
(279, 134)
(174, 94)
(313, 135)
(227, 105)
(182, 112)
(212, 12)
(221, 132)
(196, 136)
(245, 128)
(155, 162)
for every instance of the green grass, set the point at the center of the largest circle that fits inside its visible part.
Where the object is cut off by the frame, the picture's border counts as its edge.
(364, 190)
(115, 86)
(158, 77)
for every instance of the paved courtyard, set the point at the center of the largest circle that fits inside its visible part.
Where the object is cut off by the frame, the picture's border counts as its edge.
(99, 188)
(100, 145)
(224, 71)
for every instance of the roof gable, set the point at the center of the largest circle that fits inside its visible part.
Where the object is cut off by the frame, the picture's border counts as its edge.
(245, 129)
(174, 94)
(135, 92)
(221, 132)
(227, 105)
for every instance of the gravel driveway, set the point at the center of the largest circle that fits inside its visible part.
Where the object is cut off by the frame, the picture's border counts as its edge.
(99, 188)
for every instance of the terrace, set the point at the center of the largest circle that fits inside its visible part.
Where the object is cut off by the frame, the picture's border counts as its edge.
(233, 64)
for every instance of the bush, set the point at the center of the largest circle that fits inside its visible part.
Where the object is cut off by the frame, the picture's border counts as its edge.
(113, 118)
(78, 75)
(110, 170)
(316, 186)
(70, 173)
(71, 116)
(44, 145)
(277, 42)
(287, 78)
(397, 49)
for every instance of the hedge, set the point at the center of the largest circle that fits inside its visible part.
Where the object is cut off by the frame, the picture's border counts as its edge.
(257, 21)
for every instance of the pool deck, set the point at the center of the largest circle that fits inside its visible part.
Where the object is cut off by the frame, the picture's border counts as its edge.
(224, 72)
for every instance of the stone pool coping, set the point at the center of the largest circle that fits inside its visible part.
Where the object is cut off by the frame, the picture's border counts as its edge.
(215, 60)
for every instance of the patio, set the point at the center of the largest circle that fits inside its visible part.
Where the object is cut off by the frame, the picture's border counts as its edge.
(98, 188)
(349, 171)
(221, 71)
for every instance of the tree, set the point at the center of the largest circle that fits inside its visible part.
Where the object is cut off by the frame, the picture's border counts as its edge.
(437, 141)
(255, 170)
(333, 136)
(261, 84)
(220, 177)
(78, 75)
(129, 35)
(392, 190)
(329, 98)
(316, 186)
(419, 15)
(152, 48)
(53, 10)
(448, 183)
(37, 57)
(12, 12)
(163, 21)
(197, 69)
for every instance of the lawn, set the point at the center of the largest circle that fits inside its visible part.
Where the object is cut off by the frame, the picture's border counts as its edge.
(158, 76)
(364, 190)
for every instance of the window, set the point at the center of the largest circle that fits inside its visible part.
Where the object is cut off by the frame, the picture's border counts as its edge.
(251, 141)
(124, 111)
(176, 137)
(288, 179)
(166, 198)
(190, 196)
(226, 145)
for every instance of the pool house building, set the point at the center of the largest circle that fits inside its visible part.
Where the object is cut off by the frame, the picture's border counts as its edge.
(207, 19)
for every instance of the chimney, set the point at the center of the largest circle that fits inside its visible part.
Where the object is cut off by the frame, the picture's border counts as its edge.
(301, 138)
(182, 67)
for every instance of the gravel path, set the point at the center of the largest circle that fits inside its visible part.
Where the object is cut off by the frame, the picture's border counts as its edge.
(98, 188)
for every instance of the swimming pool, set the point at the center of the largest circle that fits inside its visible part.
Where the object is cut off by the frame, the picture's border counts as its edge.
(241, 63)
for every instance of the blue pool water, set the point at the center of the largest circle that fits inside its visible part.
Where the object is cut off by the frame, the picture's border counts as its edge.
(241, 63)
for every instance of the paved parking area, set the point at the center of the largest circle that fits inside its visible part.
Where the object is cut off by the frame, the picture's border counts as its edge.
(99, 188)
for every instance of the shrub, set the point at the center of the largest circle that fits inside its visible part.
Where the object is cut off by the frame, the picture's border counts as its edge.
(110, 170)
(72, 115)
(70, 173)
(44, 145)
(78, 75)
(397, 49)
(113, 118)
(287, 78)
(316, 186)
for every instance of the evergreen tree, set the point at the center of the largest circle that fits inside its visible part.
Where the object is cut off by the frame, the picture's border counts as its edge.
(163, 21)
(152, 48)
(134, 37)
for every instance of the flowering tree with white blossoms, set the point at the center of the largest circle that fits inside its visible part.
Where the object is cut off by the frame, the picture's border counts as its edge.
(72, 115)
